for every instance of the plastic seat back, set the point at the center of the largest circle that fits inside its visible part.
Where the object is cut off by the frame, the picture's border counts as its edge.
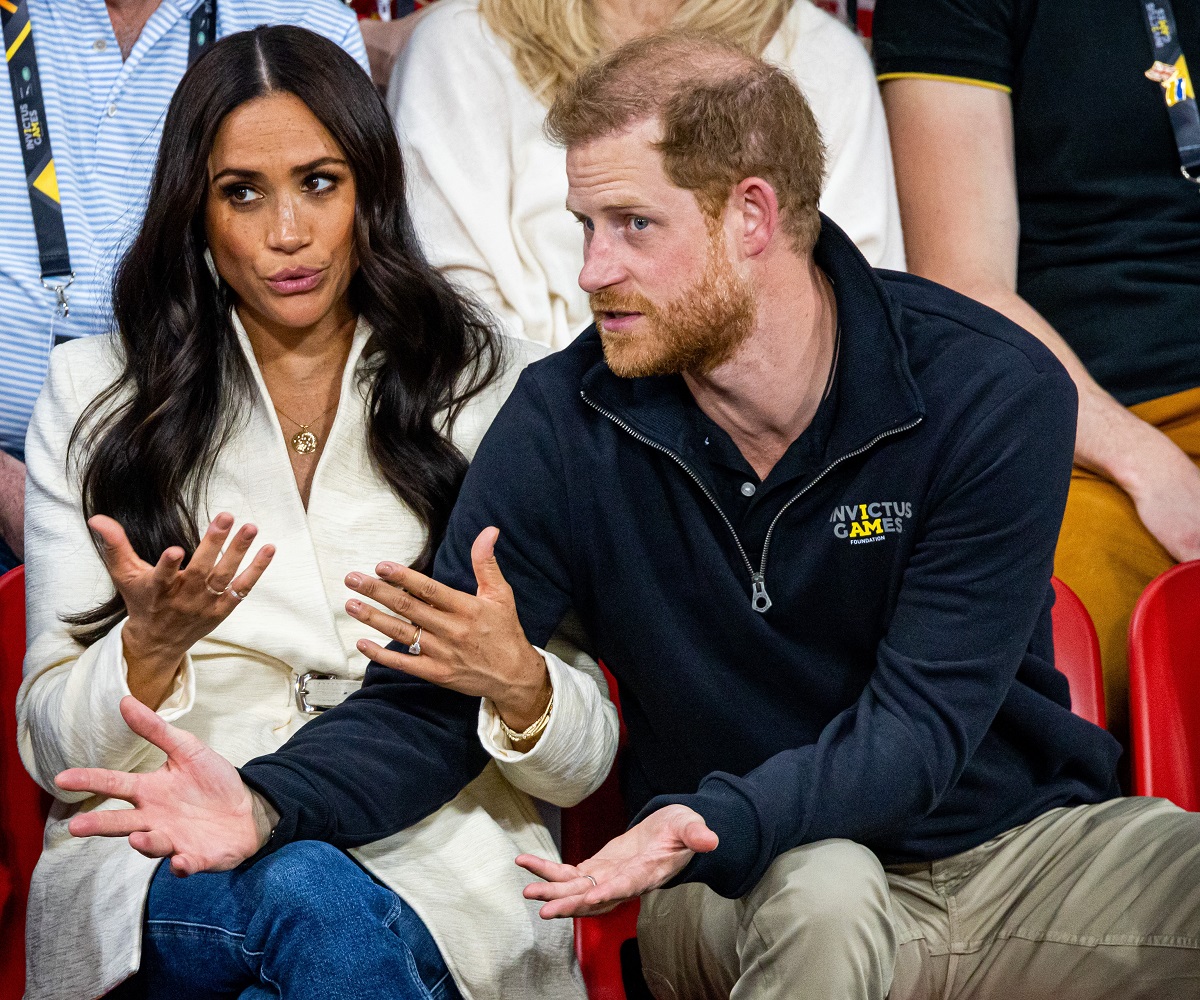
(605, 944)
(1077, 654)
(22, 808)
(1164, 687)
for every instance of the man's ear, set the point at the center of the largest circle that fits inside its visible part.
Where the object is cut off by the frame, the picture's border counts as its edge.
(755, 204)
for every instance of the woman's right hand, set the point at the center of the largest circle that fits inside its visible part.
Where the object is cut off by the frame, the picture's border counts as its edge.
(170, 609)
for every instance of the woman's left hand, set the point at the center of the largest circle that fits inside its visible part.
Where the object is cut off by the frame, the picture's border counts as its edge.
(473, 644)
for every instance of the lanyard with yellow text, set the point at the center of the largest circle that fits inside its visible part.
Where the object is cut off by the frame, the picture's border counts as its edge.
(34, 132)
(1170, 70)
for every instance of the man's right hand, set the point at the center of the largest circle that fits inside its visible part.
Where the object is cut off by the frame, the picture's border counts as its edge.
(194, 809)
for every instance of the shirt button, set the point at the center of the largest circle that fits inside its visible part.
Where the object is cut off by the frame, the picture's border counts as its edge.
(99, 45)
(112, 111)
(748, 489)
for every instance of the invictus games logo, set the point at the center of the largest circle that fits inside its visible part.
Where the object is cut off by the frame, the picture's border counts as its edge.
(869, 522)
(31, 127)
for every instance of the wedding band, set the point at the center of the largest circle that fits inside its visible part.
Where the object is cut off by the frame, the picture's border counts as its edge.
(414, 647)
(592, 880)
(240, 597)
(215, 593)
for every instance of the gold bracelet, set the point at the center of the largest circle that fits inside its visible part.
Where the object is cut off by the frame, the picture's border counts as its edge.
(532, 731)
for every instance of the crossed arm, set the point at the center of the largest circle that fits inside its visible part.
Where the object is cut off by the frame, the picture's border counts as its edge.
(919, 696)
(204, 815)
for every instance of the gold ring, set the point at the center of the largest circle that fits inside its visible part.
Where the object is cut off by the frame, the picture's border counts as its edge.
(215, 593)
(414, 647)
(592, 880)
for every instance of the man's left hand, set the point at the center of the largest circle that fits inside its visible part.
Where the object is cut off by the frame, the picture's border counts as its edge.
(473, 644)
(645, 857)
(194, 809)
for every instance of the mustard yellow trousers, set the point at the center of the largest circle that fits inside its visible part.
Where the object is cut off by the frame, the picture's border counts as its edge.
(1106, 555)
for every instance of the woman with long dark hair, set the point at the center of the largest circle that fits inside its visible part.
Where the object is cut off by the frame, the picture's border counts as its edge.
(283, 353)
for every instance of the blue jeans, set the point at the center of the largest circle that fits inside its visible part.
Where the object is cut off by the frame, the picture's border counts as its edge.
(304, 923)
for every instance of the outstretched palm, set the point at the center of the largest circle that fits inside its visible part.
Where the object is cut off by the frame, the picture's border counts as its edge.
(643, 858)
(194, 809)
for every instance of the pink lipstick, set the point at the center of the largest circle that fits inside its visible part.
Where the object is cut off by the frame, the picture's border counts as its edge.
(295, 280)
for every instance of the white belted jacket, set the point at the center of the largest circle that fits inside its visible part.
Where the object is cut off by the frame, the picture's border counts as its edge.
(235, 692)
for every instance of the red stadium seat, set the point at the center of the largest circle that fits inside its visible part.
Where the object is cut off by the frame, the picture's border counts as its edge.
(599, 941)
(605, 944)
(23, 804)
(1164, 687)
(1077, 654)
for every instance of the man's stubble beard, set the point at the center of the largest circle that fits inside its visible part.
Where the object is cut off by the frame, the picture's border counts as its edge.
(695, 332)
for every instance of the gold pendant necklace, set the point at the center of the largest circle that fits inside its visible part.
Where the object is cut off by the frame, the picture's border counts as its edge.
(304, 441)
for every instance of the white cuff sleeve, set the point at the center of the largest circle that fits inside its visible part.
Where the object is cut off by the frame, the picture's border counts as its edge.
(183, 691)
(69, 715)
(578, 745)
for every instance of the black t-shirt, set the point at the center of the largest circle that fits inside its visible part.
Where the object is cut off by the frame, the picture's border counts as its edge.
(1110, 229)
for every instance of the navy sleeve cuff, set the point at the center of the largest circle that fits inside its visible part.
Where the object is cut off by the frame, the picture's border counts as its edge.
(742, 854)
(286, 790)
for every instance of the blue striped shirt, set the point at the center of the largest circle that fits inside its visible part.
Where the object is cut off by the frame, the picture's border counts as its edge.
(105, 117)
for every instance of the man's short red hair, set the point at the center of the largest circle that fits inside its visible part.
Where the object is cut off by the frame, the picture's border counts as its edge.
(725, 116)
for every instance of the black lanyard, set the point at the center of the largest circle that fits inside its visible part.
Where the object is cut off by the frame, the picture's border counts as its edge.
(1170, 70)
(34, 132)
(202, 30)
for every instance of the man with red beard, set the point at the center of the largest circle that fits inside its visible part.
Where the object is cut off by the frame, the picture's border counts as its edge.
(806, 512)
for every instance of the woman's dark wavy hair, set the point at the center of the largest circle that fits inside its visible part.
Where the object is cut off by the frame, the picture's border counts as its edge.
(147, 445)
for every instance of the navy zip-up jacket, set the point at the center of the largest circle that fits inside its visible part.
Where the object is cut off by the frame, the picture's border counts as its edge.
(899, 689)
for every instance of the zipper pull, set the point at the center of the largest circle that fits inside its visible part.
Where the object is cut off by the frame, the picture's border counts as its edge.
(759, 600)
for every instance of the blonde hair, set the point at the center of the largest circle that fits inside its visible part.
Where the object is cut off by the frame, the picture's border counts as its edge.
(553, 40)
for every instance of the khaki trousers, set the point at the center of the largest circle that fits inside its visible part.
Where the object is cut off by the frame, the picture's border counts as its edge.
(1106, 555)
(1082, 903)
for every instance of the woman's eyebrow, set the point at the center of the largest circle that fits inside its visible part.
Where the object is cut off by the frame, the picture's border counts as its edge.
(238, 172)
(322, 161)
(303, 168)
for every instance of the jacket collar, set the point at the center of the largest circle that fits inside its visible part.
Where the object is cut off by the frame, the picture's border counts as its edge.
(876, 389)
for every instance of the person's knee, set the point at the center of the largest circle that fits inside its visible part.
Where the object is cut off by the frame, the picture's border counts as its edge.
(309, 878)
(834, 892)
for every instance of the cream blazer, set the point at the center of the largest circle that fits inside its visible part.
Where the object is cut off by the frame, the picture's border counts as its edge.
(455, 868)
(488, 191)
